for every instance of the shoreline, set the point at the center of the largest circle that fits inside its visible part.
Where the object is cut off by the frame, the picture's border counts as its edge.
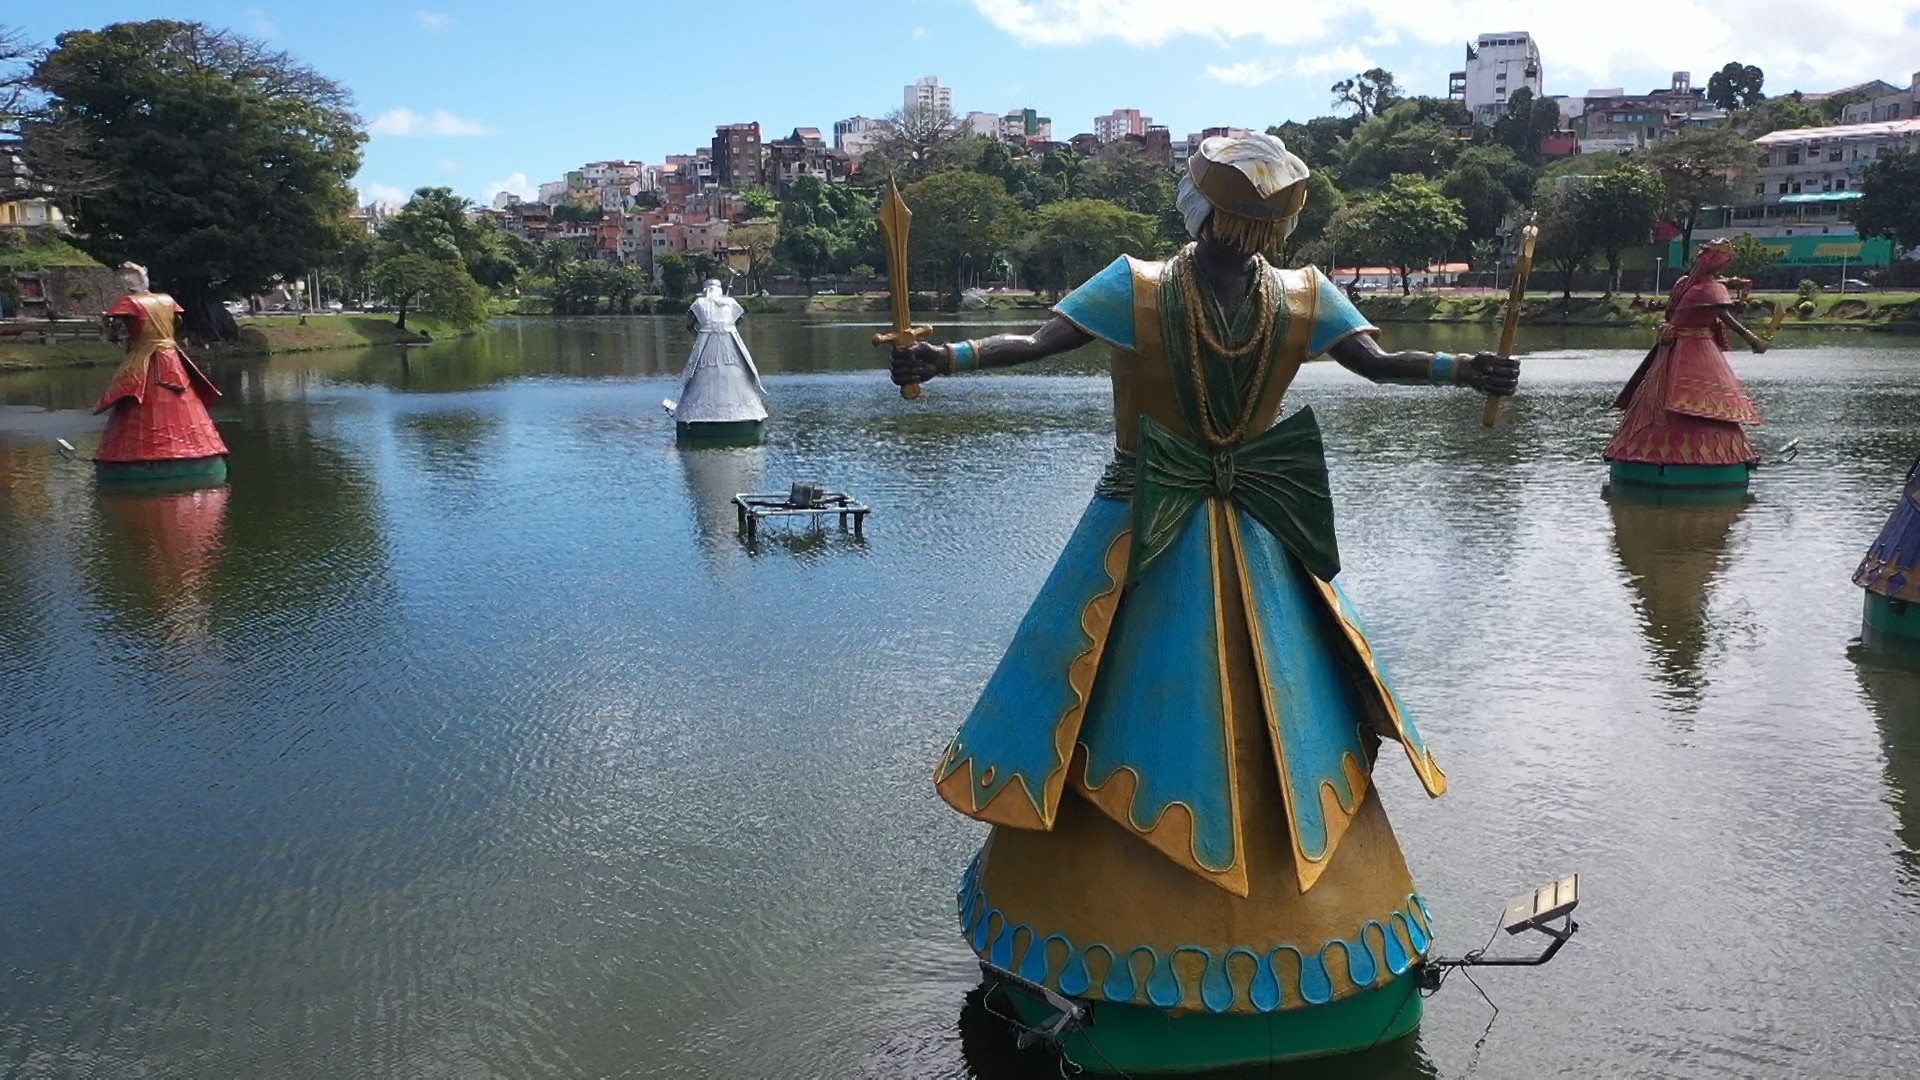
(270, 336)
(276, 335)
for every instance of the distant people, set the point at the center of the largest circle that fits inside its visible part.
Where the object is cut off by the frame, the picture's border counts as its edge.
(160, 425)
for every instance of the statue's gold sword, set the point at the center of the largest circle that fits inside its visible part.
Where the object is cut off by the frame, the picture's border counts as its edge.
(895, 221)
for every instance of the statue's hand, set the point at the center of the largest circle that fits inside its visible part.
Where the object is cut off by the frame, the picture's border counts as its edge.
(917, 364)
(1493, 374)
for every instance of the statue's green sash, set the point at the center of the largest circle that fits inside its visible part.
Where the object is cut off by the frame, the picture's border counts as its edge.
(1279, 477)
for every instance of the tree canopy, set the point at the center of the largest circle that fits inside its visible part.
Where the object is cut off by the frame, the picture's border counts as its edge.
(1369, 93)
(231, 163)
(1618, 209)
(1074, 239)
(961, 221)
(1889, 203)
(1701, 168)
(1736, 86)
(1408, 226)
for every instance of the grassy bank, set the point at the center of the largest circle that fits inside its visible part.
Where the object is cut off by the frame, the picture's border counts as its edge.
(258, 337)
(1869, 311)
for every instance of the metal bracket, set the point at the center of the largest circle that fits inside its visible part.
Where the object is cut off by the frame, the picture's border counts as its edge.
(1070, 1014)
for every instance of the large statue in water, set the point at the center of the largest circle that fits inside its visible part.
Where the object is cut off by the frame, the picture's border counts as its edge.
(1684, 406)
(1176, 749)
(160, 428)
(720, 392)
(1890, 573)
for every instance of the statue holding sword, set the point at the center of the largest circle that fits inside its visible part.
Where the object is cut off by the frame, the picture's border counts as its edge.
(1176, 749)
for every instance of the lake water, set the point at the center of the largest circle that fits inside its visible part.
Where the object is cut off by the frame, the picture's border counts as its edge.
(461, 735)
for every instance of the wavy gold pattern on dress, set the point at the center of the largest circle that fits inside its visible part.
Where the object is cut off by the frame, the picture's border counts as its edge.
(1338, 815)
(1172, 834)
(1431, 777)
(1016, 804)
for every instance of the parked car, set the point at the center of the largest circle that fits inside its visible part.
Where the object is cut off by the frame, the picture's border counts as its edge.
(1854, 284)
(336, 306)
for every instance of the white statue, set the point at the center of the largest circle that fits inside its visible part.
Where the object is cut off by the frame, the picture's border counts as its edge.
(720, 385)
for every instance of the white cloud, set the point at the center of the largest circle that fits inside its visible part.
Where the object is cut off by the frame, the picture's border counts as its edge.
(433, 21)
(404, 121)
(1638, 41)
(259, 23)
(919, 33)
(1344, 60)
(386, 193)
(448, 165)
(517, 184)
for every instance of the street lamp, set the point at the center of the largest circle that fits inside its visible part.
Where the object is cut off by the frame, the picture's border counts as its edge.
(1657, 260)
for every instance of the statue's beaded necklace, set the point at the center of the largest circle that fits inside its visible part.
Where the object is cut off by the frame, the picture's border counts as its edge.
(1201, 341)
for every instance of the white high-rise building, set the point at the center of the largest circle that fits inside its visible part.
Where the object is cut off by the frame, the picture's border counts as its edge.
(985, 125)
(1119, 124)
(1497, 65)
(926, 93)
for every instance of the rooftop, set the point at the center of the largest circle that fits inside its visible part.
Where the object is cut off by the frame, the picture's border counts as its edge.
(1877, 130)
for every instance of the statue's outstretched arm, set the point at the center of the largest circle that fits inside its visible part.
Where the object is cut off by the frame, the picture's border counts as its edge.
(1754, 341)
(1488, 373)
(927, 360)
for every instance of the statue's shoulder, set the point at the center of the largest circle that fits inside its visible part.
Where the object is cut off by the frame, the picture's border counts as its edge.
(1303, 279)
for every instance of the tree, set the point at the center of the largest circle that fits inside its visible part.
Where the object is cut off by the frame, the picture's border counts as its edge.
(913, 143)
(1410, 224)
(1778, 114)
(760, 202)
(553, 257)
(1701, 168)
(1736, 86)
(1527, 121)
(416, 283)
(1564, 243)
(232, 163)
(1073, 239)
(1370, 93)
(1505, 166)
(1317, 141)
(1484, 200)
(674, 275)
(437, 224)
(1398, 141)
(1889, 203)
(1752, 256)
(758, 240)
(1125, 176)
(960, 218)
(1618, 209)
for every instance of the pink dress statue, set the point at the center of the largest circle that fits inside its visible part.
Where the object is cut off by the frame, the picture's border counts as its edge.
(158, 399)
(1685, 406)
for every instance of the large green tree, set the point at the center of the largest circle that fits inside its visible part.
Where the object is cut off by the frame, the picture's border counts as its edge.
(415, 283)
(1736, 86)
(1400, 140)
(1778, 114)
(1618, 209)
(1889, 203)
(1484, 200)
(961, 220)
(231, 162)
(1369, 93)
(1409, 226)
(1565, 243)
(439, 225)
(1073, 239)
(1701, 168)
(1526, 122)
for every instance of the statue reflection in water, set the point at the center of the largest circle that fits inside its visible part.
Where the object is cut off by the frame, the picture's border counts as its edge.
(1892, 692)
(163, 548)
(714, 476)
(1673, 546)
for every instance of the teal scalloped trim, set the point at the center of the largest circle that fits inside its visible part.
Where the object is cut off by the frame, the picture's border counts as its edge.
(1017, 948)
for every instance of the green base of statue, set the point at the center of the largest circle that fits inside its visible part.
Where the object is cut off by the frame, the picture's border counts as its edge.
(1891, 627)
(1135, 1039)
(178, 473)
(732, 433)
(1680, 477)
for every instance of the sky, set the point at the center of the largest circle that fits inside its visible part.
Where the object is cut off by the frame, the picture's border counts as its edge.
(487, 97)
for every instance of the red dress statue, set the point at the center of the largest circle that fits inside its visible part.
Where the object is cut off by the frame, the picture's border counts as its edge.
(160, 426)
(1685, 406)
